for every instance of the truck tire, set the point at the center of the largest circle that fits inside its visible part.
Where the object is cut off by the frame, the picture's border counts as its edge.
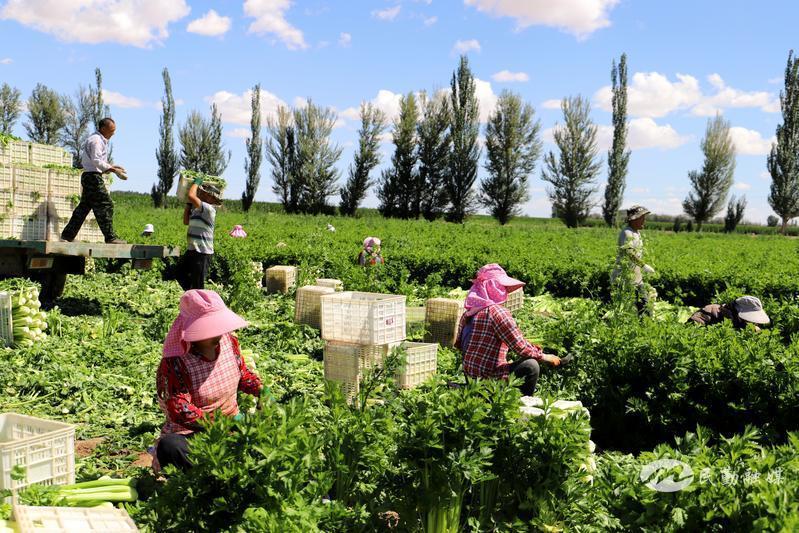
(52, 286)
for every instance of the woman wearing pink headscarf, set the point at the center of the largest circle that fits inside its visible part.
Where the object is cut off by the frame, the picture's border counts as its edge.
(201, 372)
(487, 331)
(370, 255)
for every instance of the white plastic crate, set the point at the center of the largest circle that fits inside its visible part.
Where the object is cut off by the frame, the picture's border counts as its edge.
(8, 225)
(15, 152)
(59, 207)
(90, 231)
(184, 184)
(30, 228)
(363, 317)
(515, 300)
(44, 154)
(414, 314)
(335, 284)
(280, 278)
(442, 316)
(32, 179)
(44, 448)
(346, 362)
(6, 326)
(6, 179)
(64, 183)
(72, 520)
(29, 204)
(308, 305)
(420, 363)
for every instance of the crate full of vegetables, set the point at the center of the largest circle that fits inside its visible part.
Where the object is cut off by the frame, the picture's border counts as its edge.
(187, 177)
(442, 316)
(280, 278)
(30, 519)
(308, 305)
(6, 324)
(345, 363)
(421, 361)
(45, 449)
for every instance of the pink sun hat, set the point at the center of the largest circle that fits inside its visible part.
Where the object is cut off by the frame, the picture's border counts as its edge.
(490, 287)
(238, 231)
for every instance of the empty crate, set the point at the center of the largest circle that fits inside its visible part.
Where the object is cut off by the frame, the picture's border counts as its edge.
(335, 284)
(363, 317)
(515, 300)
(72, 520)
(308, 305)
(442, 317)
(44, 448)
(280, 278)
(421, 361)
(345, 363)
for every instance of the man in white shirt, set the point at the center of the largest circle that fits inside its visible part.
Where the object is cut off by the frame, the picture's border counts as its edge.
(94, 195)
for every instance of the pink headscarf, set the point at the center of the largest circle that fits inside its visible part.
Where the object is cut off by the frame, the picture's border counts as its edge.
(490, 287)
(203, 315)
(370, 242)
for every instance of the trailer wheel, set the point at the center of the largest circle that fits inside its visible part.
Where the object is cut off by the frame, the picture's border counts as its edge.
(52, 286)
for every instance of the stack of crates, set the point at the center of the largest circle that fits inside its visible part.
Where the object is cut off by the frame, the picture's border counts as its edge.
(360, 329)
(36, 202)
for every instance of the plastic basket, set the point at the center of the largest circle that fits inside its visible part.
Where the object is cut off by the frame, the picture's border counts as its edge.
(335, 284)
(32, 228)
(308, 305)
(184, 184)
(420, 363)
(32, 180)
(6, 178)
(15, 153)
(44, 448)
(345, 363)
(6, 326)
(515, 300)
(414, 314)
(280, 278)
(442, 316)
(44, 154)
(90, 232)
(363, 318)
(29, 204)
(59, 207)
(72, 519)
(64, 183)
(8, 226)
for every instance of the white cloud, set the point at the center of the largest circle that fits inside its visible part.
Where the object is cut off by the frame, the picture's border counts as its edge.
(651, 94)
(344, 39)
(579, 17)
(390, 13)
(777, 80)
(139, 23)
(211, 25)
(351, 113)
(750, 142)
(115, 99)
(727, 97)
(551, 104)
(6, 61)
(640, 190)
(463, 47)
(643, 133)
(508, 76)
(742, 186)
(236, 109)
(486, 98)
(270, 19)
(239, 133)
(430, 21)
(765, 175)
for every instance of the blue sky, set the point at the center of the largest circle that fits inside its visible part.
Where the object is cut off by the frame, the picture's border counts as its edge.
(686, 60)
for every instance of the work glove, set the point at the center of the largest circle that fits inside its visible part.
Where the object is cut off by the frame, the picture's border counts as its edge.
(198, 181)
(238, 417)
(648, 269)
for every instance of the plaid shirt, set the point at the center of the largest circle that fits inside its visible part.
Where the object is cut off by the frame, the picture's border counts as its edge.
(191, 387)
(494, 333)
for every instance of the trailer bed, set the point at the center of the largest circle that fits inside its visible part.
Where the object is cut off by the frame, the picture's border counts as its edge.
(95, 250)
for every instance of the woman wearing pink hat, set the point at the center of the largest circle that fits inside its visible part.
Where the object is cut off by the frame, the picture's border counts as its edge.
(370, 255)
(200, 373)
(487, 331)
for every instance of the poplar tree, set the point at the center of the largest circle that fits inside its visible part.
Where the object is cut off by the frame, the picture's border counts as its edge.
(783, 161)
(10, 108)
(367, 157)
(254, 144)
(618, 155)
(465, 152)
(165, 155)
(434, 147)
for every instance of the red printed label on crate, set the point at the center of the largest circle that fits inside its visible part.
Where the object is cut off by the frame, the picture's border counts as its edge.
(390, 321)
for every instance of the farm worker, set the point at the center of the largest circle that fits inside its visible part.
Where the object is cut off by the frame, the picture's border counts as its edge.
(370, 255)
(629, 259)
(201, 371)
(94, 195)
(200, 216)
(148, 230)
(742, 311)
(487, 331)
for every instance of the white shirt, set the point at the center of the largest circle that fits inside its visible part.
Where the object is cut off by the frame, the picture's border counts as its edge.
(630, 242)
(94, 155)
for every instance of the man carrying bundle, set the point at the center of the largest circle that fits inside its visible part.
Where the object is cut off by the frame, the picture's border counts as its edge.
(200, 216)
(94, 195)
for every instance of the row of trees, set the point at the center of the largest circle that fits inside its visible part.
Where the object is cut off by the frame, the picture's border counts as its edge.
(54, 118)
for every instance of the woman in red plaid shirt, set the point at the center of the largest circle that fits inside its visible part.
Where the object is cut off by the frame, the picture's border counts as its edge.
(201, 372)
(487, 331)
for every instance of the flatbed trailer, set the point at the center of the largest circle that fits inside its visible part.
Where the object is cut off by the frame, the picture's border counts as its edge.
(49, 262)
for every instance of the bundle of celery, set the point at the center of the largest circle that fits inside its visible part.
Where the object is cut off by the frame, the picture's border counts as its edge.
(100, 492)
(28, 320)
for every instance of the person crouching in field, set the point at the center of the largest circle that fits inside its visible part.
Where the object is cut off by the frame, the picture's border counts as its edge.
(201, 371)
(200, 217)
(370, 255)
(742, 311)
(487, 331)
